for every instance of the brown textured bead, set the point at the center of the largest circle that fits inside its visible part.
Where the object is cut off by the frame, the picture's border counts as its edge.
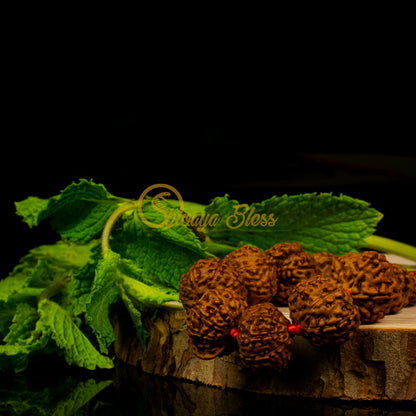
(263, 338)
(211, 319)
(293, 265)
(375, 286)
(208, 274)
(399, 299)
(411, 284)
(325, 263)
(256, 272)
(325, 310)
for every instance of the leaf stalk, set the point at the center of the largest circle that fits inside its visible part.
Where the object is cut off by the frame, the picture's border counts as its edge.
(112, 219)
(387, 245)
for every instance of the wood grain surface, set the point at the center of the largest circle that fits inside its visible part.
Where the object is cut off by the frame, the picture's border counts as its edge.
(378, 363)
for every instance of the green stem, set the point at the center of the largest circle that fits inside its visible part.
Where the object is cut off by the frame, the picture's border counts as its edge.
(217, 249)
(173, 304)
(388, 245)
(54, 288)
(112, 219)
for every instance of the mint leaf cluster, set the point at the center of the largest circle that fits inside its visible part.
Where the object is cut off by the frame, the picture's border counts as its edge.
(41, 307)
(61, 298)
(319, 222)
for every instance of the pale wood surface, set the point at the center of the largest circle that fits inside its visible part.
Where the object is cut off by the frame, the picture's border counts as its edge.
(394, 258)
(405, 319)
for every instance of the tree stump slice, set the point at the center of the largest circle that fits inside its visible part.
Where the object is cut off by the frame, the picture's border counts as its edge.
(378, 363)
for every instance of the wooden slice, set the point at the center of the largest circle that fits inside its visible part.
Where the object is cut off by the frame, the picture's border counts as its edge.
(378, 363)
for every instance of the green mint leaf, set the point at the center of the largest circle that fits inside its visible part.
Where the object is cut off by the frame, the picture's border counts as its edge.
(320, 222)
(145, 295)
(12, 284)
(6, 315)
(110, 267)
(77, 293)
(23, 324)
(138, 297)
(77, 348)
(32, 210)
(43, 265)
(104, 294)
(136, 316)
(78, 213)
(38, 275)
(25, 339)
(163, 254)
(175, 230)
(14, 356)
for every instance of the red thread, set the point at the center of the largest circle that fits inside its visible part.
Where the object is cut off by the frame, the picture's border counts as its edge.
(294, 329)
(234, 333)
